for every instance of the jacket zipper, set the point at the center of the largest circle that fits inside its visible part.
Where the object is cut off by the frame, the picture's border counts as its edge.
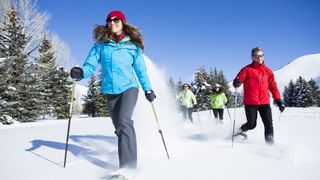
(130, 78)
(260, 85)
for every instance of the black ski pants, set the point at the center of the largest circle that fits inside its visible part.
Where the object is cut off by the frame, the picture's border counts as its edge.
(266, 116)
(217, 112)
(121, 107)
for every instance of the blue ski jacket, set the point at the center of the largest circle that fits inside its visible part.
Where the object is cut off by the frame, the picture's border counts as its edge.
(120, 64)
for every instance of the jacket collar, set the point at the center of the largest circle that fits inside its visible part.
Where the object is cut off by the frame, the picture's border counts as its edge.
(124, 40)
(257, 65)
(117, 38)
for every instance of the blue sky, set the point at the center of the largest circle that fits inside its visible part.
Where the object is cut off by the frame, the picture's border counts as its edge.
(183, 35)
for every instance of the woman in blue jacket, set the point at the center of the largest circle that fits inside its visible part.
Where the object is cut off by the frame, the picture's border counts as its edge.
(118, 49)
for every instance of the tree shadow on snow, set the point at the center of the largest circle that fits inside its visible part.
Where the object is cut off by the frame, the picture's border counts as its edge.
(84, 146)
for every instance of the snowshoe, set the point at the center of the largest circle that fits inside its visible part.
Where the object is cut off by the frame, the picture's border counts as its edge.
(241, 133)
(117, 177)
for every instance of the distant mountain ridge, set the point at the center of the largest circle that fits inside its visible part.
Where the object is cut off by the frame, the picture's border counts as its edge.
(307, 67)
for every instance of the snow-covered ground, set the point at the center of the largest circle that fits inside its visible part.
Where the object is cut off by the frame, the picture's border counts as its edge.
(201, 150)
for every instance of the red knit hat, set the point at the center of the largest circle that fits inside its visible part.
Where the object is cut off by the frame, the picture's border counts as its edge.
(117, 14)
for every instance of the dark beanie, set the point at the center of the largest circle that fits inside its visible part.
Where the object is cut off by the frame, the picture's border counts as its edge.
(117, 14)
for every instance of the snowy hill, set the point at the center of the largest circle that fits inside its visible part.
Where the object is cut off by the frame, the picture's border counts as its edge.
(306, 66)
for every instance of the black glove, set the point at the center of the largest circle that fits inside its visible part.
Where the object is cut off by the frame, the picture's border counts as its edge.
(76, 73)
(236, 82)
(280, 105)
(150, 95)
(195, 107)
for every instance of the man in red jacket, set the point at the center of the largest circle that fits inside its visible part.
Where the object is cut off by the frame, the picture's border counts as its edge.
(258, 80)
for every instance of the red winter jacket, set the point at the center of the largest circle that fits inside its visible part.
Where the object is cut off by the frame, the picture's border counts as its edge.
(257, 80)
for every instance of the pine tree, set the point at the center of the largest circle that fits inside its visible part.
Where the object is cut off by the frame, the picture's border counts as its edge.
(314, 92)
(213, 76)
(102, 107)
(201, 89)
(29, 97)
(289, 95)
(89, 106)
(61, 93)
(13, 91)
(302, 93)
(45, 71)
(95, 105)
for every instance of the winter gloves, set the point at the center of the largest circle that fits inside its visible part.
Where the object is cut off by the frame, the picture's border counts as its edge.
(236, 82)
(150, 95)
(280, 105)
(76, 73)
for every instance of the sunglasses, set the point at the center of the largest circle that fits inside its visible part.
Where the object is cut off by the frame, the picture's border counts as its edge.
(115, 20)
(258, 56)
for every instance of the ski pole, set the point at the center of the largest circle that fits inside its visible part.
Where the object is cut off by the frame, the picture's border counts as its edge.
(280, 116)
(229, 113)
(234, 120)
(198, 115)
(69, 121)
(159, 130)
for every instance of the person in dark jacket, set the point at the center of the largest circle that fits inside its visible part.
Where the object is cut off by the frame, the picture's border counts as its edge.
(258, 80)
(118, 49)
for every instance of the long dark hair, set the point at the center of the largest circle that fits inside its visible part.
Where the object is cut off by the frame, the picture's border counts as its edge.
(102, 34)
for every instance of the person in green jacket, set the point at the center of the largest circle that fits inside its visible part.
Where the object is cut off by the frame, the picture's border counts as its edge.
(188, 101)
(218, 100)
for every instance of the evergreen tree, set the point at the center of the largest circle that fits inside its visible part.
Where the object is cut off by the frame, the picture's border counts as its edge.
(102, 106)
(13, 91)
(61, 93)
(45, 72)
(89, 106)
(29, 97)
(314, 92)
(95, 104)
(201, 89)
(289, 95)
(302, 93)
(213, 76)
